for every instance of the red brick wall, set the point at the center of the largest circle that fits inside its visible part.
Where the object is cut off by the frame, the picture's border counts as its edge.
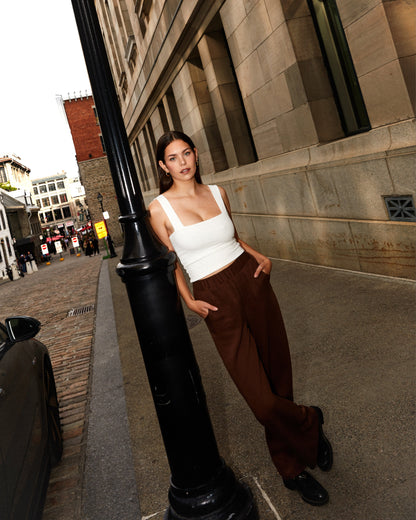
(84, 128)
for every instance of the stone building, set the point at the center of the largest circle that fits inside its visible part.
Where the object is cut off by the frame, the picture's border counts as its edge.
(14, 173)
(304, 110)
(7, 253)
(58, 208)
(92, 161)
(22, 227)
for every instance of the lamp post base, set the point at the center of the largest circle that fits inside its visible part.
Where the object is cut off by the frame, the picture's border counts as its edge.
(221, 498)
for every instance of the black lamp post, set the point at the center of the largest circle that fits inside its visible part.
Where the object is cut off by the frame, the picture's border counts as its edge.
(100, 199)
(202, 485)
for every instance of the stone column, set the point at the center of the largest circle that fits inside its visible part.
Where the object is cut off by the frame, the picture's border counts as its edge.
(226, 99)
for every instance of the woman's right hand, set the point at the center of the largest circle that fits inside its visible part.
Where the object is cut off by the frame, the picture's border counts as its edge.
(201, 308)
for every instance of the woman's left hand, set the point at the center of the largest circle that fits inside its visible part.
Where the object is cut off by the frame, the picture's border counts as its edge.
(265, 265)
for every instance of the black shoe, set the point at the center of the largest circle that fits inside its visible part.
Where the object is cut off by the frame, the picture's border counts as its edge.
(310, 489)
(325, 455)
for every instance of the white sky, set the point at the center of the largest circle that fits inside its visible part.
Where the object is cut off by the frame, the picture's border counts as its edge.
(41, 57)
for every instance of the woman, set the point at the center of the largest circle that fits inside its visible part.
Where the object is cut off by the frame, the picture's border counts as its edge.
(232, 292)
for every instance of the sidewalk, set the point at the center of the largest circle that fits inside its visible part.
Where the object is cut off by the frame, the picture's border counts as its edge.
(352, 340)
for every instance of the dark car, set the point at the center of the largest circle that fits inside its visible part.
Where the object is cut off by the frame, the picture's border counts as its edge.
(30, 430)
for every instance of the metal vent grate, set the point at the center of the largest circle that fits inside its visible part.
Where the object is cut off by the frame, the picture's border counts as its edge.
(80, 310)
(401, 207)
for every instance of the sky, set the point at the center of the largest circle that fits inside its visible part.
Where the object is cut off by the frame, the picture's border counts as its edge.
(41, 58)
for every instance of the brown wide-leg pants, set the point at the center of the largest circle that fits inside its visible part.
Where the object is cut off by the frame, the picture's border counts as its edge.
(250, 336)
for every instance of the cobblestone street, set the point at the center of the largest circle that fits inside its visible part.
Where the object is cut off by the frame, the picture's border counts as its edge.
(49, 295)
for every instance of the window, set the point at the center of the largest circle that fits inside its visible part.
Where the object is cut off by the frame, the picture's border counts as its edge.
(142, 9)
(42, 188)
(42, 218)
(35, 190)
(60, 185)
(63, 197)
(46, 202)
(51, 186)
(38, 203)
(97, 121)
(9, 249)
(66, 211)
(57, 213)
(48, 216)
(55, 199)
(338, 61)
(2, 219)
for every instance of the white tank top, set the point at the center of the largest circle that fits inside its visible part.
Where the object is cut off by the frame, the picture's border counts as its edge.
(207, 246)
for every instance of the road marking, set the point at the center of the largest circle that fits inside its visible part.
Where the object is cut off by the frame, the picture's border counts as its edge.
(267, 499)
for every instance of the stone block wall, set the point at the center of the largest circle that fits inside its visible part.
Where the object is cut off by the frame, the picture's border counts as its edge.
(248, 81)
(96, 177)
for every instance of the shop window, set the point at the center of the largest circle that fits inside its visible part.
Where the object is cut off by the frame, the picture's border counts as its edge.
(66, 211)
(337, 57)
(57, 214)
(48, 216)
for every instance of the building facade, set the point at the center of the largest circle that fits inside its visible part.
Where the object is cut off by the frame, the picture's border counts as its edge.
(303, 110)
(92, 161)
(14, 174)
(58, 209)
(23, 225)
(7, 253)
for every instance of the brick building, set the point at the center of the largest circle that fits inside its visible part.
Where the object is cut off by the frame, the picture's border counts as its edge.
(92, 161)
(304, 110)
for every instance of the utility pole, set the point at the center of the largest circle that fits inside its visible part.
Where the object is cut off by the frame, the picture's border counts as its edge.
(202, 485)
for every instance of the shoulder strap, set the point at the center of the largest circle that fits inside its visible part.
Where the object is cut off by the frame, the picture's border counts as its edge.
(170, 213)
(217, 196)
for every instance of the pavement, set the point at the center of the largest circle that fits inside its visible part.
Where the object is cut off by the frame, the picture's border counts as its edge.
(352, 338)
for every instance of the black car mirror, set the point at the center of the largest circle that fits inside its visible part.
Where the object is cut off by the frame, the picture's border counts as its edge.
(20, 328)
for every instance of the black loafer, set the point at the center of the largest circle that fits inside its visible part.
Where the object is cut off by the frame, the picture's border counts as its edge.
(325, 454)
(310, 489)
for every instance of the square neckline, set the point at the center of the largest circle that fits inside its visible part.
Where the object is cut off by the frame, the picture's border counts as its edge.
(211, 189)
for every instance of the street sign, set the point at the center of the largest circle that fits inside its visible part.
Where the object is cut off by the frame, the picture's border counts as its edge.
(58, 246)
(100, 229)
(45, 250)
(75, 241)
(106, 215)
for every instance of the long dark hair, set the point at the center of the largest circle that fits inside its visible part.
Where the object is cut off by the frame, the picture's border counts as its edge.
(165, 180)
